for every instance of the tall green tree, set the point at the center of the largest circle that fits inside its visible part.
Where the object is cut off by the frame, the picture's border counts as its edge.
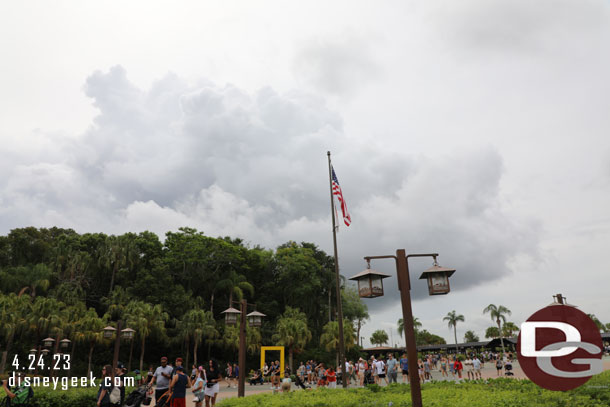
(196, 326)
(498, 314)
(509, 329)
(452, 319)
(292, 331)
(492, 332)
(89, 330)
(379, 337)
(354, 308)
(470, 336)
(146, 319)
(235, 284)
(330, 337)
(13, 312)
(115, 253)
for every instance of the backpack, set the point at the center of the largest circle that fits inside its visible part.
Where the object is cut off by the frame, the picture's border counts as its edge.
(23, 394)
(115, 395)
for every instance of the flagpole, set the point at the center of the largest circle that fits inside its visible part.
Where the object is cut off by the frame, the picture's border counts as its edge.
(337, 280)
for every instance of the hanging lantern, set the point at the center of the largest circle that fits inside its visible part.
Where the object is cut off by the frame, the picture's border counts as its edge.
(370, 282)
(255, 318)
(109, 332)
(231, 315)
(438, 279)
(48, 342)
(64, 343)
(127, 333)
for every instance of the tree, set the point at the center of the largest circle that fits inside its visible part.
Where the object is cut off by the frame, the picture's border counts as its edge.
(330, 337)
(401, 326)
(34, 277)
(12, 312)
(235, 284)
(452, 319)
(498, 314)
(89, 330)
(426, 338)
(509, 329)
(379, 337)
(492, 332)
(470, 336)
(196, 325)
(146, 319)
(354, 308)
(117, 252)
(292, 331)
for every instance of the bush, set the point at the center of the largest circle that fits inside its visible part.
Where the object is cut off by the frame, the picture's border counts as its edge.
(501, 392)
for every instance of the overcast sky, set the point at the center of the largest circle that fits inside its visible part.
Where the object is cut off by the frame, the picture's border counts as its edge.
(477, 129)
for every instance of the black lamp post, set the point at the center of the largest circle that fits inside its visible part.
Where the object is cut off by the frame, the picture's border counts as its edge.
(254, 319)
(370, 285)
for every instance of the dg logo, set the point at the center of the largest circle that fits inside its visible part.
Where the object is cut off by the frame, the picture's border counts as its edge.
(560, 348)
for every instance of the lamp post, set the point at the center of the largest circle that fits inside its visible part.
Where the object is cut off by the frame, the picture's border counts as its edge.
(254, 319)
(119, 333)
(370, 285)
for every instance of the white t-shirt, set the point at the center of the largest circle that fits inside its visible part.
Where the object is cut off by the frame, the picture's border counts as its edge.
(379, 365)
(476, 363)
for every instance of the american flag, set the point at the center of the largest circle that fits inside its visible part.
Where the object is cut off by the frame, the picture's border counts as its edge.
(339, 194)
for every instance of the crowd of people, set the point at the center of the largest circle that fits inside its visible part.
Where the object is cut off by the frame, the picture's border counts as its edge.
(170, 381)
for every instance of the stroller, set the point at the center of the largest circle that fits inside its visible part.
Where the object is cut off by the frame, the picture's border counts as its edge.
(136, 397)
(300, 383)
(508, 369)
(368, 377)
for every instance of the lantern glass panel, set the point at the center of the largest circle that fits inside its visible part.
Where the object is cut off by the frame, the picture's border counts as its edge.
(230, 318)
(438, 283)
(44, 352)
(64, 344)
(254, 320)
(364, 287)
(376, 286)
(127, 334)
(47, 343)
(108, 332)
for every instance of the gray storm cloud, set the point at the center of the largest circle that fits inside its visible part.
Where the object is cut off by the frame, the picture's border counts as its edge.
(254, 166)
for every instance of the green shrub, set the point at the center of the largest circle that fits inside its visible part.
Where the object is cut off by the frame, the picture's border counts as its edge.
(501, 392)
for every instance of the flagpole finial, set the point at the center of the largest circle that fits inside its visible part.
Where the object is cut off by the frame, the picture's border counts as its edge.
(328, 153)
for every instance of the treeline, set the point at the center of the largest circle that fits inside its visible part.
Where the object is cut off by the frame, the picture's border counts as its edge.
(58, 283)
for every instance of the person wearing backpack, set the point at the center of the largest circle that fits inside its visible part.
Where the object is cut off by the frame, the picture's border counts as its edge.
(21, 394)
(106, 389)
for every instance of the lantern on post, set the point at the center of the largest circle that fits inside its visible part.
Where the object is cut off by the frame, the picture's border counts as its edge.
(108, 332)
(48, 342)
(255, 318)
(438, 279)
(45, 352)
(370, 282)
(33, 351)
(127, 333)
(64, 343)
(231, 315)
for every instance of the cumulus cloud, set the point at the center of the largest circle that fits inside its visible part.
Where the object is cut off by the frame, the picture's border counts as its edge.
(253, 165)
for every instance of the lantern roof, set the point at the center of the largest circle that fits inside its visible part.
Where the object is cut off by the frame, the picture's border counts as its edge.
(109, 328)
(368, 272)
(48, 340)
(256, 314)
(231, 310)
(65, 341)
(436, 269)
(127, 330)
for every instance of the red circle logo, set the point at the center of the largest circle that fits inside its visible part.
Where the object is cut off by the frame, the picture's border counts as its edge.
(560, 348)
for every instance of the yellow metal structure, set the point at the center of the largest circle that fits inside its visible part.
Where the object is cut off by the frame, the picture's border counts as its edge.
(271, 348)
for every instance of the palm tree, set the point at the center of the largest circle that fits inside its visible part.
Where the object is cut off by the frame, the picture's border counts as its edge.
(416, 326)
(12, 311)
(600, 326)
(330, 337)
(235, 284)
(196, 325)
(379, 337)
(115, 253)
(146, 319)
(509, 329)
(292, 331)
(89, 331)
(452, 319)
(37, 277)
(498, 314)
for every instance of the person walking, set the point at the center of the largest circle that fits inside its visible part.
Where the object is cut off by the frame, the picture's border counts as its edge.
(103, 394)
(212, 386)
(331, 378)
(444, 367)
(476, 365)
(392, 368)
(178, 387)
(228, 374)
(381, 371)
(458, 367)
(161, 378)
(404, 366)
(198, 387)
